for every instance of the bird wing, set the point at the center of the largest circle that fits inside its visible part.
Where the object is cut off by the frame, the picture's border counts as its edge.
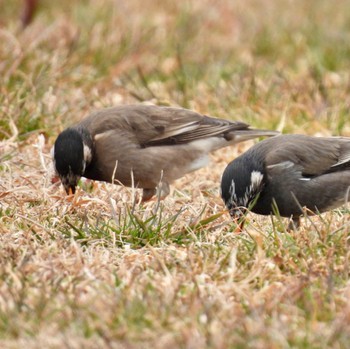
(153, 125)
(311, 156)
(344, 157)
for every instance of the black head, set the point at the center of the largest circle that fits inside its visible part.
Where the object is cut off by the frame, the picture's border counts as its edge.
(71, 154)
(241, 183)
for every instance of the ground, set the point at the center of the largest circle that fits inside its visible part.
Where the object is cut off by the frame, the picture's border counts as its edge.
(101, 269)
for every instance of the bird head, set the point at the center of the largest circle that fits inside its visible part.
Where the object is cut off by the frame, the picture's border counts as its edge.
(241, 184)
(72, 152)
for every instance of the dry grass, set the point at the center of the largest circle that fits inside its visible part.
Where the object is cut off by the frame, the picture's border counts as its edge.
(103, 271)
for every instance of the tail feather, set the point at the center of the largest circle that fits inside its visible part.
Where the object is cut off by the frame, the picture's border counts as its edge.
(244, 135)
(214, 143)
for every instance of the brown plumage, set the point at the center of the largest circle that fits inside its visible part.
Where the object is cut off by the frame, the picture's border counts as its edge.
(143, 145)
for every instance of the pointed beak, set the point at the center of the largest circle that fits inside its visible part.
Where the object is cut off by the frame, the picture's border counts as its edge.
(70, 189)
(69, 183)
(239, 224)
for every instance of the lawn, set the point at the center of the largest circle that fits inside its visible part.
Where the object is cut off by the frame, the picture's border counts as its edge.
(101, 270)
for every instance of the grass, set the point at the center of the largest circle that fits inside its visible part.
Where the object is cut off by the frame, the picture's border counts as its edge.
(103, 271)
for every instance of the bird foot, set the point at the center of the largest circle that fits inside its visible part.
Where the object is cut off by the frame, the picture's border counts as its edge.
(294, 224)
(161, 192)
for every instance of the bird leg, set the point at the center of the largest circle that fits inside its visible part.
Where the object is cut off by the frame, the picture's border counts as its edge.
(294, 223)
(147, 194)
(161, 192)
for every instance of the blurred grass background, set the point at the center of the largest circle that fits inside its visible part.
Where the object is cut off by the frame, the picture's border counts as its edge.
(252, 60)
(96, 272)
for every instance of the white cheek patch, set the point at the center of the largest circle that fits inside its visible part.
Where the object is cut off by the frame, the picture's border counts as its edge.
(251, 191)
(256, 178)
(87, 153)
(232, 192)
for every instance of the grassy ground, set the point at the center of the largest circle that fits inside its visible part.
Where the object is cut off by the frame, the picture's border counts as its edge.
(102, 271)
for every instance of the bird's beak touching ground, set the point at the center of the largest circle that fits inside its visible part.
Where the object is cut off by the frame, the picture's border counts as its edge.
(69, 183)
(238, 217)
(71, 190)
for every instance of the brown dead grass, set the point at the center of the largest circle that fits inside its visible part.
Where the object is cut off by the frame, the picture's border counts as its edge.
(98, 270)
(211, 289)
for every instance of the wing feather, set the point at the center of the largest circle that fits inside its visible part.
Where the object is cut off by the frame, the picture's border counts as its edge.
(312, 155)
(153, 125)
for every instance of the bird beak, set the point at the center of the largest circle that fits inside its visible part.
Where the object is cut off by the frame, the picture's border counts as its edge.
(70, 189)
(238, 217)
(239, 223)
(69, 183)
